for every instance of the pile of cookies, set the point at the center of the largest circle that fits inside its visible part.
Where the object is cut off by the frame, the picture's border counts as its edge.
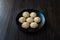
(29, 20)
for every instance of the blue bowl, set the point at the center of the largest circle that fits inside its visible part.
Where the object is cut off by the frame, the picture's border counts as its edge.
(39, 14)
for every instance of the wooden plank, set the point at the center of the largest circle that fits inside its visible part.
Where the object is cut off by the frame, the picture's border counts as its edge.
(5, 12)
(51, 30)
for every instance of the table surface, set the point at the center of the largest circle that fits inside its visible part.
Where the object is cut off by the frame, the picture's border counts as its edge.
(50, 31)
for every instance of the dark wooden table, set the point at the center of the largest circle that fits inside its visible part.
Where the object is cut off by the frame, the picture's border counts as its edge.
(50, 31)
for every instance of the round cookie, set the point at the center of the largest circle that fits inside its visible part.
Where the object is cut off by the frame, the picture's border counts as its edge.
(29, 19)
(26, 14)
(33, 14)
(25, 25)
(37, 19)
(22, 19)
(33, 25)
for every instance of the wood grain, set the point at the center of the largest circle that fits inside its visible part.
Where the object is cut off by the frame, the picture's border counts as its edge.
(50, 31)
(5, 13)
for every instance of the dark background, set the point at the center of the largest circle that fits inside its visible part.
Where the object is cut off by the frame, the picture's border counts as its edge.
(8, 26)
